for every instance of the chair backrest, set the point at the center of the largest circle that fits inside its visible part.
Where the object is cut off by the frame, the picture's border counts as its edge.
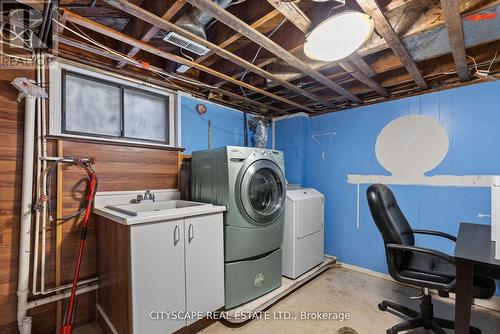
(387, 215)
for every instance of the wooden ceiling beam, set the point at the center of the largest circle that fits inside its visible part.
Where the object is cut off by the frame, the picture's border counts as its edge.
(103, 53)
(451, 10)
(430, 18)
(361, 77)
(161, 23)
(234, 37)
(94, 26)
(235, 23)
(386, 60)
(388, 63)
(145, 31)
(384, 28)
(287, 36)
(434, 70)
(84, 59)
(296, 16)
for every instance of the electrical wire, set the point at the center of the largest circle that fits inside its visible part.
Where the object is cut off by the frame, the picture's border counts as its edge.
(164, 75)
(255, 58)
(493, 60)
(185, 55)
(131, 60)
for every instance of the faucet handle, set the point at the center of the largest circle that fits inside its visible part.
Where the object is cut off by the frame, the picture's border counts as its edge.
(148, 195)
(139, 198)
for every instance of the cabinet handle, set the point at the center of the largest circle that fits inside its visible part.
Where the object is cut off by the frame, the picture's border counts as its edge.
(177, 235)
(190, 232)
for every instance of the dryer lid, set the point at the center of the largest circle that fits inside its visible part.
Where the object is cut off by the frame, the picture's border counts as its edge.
(301, 194)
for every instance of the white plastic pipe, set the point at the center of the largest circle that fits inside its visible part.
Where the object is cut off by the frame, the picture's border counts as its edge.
(24, 321)
(38, 176)
(44, 182)
(61, 296)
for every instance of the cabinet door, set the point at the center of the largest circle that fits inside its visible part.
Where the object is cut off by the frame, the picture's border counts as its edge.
(204, 263)
(158, 276)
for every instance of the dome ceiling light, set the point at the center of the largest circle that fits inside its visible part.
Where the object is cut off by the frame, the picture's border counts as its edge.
(338, 36)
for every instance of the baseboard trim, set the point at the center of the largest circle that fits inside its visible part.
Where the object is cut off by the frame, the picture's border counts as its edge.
(107, 321)
(492, 304)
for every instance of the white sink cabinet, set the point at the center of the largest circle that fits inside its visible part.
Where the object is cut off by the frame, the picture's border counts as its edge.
(154, 275)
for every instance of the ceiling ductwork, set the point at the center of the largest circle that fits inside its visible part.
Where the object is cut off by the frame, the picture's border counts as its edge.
(196, 20)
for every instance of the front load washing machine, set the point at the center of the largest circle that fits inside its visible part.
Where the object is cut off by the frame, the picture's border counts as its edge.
(250, 182)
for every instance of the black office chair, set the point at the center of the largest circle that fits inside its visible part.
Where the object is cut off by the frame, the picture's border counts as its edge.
(422, 267)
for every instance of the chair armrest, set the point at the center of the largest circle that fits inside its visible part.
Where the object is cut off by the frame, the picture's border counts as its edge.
(391, 248)
(422, 250)
(436, 233)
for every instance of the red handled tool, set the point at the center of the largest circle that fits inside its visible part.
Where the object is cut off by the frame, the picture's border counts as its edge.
(69, 318)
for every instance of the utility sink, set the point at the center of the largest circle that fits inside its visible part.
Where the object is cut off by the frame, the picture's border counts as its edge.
(154, 208)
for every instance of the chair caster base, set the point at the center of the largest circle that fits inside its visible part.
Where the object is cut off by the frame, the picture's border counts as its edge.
(424, 318)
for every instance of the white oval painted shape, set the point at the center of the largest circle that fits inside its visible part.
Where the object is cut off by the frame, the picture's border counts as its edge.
(411, 145)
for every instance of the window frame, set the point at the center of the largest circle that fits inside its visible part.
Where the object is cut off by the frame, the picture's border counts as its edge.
(57, 127)
(166, 103)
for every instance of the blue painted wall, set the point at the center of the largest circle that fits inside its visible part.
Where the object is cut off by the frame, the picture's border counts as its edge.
(292, 142)
(334, 145)
(226, 126)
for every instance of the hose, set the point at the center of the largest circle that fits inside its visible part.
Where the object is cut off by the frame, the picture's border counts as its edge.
(86, 164)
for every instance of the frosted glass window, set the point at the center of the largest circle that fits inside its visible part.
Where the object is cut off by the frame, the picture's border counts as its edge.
(91, 107)
(145, 116)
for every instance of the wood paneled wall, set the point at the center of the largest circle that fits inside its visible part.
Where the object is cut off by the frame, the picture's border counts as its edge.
(118, 167)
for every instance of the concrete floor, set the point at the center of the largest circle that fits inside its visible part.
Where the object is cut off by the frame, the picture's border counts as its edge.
(342, 290)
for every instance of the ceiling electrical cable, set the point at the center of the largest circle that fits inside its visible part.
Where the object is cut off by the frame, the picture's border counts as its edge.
(164, 75)
(131, 60)
(255, 58)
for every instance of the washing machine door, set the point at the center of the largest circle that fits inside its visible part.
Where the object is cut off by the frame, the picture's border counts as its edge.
(262, 192)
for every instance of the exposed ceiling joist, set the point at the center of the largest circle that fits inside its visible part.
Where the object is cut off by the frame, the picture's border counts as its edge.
(403, 84)
(234, 37)
(295, 15)
(89, 24)
(103, 53)
(235, 23)
(372, 8)
(358, 75)
(137, 26)
(141, 76)
(451, 10)
(166, 25)
(432, 43)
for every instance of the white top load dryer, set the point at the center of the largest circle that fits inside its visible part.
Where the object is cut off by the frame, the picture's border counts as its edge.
(303, 236)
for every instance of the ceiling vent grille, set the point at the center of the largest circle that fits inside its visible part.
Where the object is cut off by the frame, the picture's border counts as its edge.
(185, 43)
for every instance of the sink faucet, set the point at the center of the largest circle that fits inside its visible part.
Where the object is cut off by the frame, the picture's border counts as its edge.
(147, 197)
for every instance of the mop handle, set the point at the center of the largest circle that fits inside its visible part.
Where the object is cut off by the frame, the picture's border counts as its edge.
(67, 327)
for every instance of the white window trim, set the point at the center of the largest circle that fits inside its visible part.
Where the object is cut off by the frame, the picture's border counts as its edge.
(55, 107)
